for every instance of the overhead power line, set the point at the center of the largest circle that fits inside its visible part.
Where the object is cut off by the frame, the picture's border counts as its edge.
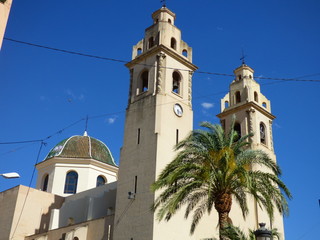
(124, 61)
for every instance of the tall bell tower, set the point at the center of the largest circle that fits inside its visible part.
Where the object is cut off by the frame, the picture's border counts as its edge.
(159, 114)
(252, 113)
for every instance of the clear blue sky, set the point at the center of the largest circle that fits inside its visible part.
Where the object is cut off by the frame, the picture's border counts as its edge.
(43, 91)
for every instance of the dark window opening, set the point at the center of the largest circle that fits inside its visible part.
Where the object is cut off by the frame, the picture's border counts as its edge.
(144, 81)
(238, 97)
(256, 96)
(150, 42)
(169, 20)
(45, 183)
(100, 181)
(135, 184)
(226, 104)
(262, 133)
(71, 182)
(138, 140)
(237, 128)
(176, 80)
(139, 51)
(264, 105)
(223, 124)
(239, 77)
(185, 53)
(173, 43)
(177, 136)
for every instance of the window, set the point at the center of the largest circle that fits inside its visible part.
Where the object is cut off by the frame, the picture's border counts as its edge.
(226, 104)
(264, 105)
(185, 53)
(177, 136)
(150, 42)
(262, 133)
(100, 181)
(239, 77)
(139, 51)
(173, 43)
(135, 184)
(144, 81)
(71, 182)
(169, 20)
(256, 96)
(237, 128)
(176, 80)
(238, 97)
(138, 137)
(45, 183)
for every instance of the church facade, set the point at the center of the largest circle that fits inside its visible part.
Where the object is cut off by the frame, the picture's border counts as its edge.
(82, 192)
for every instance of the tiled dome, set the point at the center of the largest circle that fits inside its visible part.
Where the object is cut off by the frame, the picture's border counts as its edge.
(82, 147)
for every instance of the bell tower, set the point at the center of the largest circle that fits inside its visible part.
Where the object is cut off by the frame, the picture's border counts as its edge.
(158, 115)
(252, 113)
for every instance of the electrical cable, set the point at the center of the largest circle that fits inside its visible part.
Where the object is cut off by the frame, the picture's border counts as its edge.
(29, 187)
(123, 61)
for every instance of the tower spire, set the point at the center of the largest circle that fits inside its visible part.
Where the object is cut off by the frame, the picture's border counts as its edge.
(163, 3)
(243, 56)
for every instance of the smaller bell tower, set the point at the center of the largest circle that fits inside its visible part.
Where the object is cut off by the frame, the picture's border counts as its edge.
(252, 113)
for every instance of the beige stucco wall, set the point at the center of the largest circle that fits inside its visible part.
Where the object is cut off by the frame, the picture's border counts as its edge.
(91, 230)
(33, 205)
(4, 15)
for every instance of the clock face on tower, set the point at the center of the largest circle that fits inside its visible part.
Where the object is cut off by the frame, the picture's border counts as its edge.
(178, 110)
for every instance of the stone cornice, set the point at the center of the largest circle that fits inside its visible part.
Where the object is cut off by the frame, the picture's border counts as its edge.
(82, 161)
(247, 105)
(161, 48)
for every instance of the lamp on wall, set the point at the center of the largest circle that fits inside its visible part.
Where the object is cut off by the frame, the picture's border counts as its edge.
(10, 175)
(262, 233)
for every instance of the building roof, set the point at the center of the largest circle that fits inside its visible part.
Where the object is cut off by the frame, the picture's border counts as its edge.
(82, 147)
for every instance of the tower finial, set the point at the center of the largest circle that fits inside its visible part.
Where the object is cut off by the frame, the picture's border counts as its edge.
(86, 127)
(243, 57)
(163, 3)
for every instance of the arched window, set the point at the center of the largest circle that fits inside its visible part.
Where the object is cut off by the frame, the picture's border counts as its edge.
(264, 105)
(150, 42)
(238, 97)
(173, 43)
(256, 96)
(263, 133)
(185, 53)
(226, 104)
(169, 20)
(176, 81)
(45, 183)
(71, 183)
(75, 238)
(239, 77)
(144, 81)
(139, 51)
(100, 181)
(237, 128)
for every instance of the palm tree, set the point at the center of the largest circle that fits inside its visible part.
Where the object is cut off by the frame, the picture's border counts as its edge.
(235, 233)
(210, 169)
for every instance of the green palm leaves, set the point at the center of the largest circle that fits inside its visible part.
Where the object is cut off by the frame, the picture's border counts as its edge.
(211, 169)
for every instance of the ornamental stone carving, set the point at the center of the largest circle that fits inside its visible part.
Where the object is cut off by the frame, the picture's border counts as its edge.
(160, 73)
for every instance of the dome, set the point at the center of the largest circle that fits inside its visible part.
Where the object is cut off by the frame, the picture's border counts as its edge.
(82, 147)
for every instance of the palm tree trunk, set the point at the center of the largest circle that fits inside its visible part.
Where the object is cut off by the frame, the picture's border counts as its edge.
(223, 223)
(223, 207)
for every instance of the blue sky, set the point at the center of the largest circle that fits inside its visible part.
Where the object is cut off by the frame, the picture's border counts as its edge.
(44, 91)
